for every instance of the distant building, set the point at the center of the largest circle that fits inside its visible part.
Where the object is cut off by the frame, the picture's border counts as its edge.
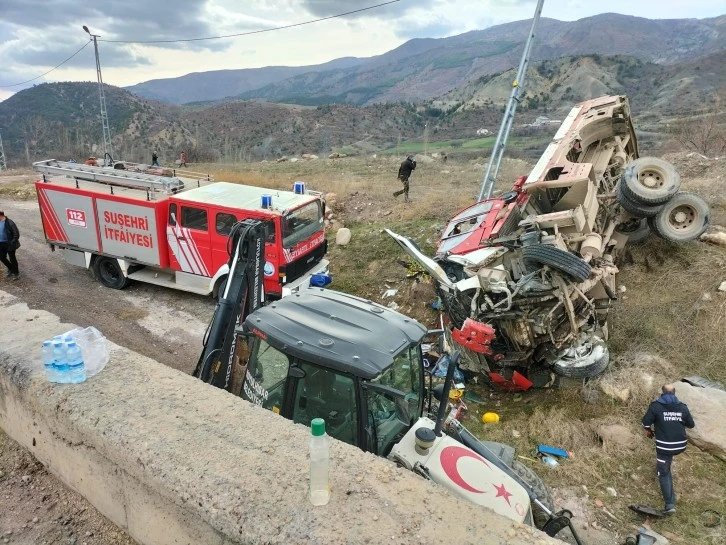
(483, 132)
(542, 120)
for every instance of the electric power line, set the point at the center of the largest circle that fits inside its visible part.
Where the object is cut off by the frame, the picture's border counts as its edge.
(49, 71)
(251, 31)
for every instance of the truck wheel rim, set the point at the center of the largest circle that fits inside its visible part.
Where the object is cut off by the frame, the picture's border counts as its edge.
(682, 217)
(651, 178)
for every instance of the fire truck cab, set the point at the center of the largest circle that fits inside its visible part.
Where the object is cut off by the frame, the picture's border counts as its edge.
(173, 230)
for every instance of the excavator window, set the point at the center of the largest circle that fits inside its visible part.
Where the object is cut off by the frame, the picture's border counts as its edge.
(323, 393)
(266, 375)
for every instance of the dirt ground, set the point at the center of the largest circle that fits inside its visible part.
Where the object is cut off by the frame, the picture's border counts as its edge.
(37, 509)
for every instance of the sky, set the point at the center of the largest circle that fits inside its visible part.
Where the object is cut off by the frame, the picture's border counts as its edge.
(36, 35)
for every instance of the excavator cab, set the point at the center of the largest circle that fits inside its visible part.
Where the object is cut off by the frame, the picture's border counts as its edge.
(311, 356)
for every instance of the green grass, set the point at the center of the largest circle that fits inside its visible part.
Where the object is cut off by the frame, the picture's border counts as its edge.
(370, 259)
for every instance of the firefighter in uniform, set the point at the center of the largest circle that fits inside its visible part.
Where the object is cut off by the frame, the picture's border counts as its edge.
(667, 418)
(404, 172)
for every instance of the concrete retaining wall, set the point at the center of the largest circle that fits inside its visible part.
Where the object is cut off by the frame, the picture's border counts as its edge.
(173, 461)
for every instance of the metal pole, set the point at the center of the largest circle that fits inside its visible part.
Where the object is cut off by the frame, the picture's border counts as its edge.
(3, 162)
(108, 151)
(500, 143)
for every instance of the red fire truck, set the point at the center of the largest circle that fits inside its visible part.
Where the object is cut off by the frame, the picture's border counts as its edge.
(173, 230)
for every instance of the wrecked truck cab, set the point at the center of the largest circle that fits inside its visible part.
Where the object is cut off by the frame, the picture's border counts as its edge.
(527, 278)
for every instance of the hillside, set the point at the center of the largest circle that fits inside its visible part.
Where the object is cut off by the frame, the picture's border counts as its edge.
(424, 69)
(683, 88)
(62, 120)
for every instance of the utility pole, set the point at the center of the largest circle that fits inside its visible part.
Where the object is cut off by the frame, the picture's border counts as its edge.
(495, 158)
(3, 162)
(108, 152)
(426, 139)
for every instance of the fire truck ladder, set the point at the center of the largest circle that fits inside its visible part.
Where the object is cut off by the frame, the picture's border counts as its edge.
(109, 176)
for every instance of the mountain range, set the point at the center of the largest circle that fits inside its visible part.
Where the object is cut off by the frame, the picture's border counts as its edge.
(423, 69)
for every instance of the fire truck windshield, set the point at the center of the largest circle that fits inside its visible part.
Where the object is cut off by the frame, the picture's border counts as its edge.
(301, 224)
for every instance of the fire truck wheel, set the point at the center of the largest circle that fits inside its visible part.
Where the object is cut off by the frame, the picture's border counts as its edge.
(634, 208)
(650, 181)
(685, 217)
(536, 255)
(587, 360)
(109, 273)
(540, 489)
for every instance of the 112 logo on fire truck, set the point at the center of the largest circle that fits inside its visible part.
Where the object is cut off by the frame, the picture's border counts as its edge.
(77, 218)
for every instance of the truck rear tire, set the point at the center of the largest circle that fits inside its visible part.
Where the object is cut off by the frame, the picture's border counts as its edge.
(650, 181)
(636, 209)
(109, 273)
(684, 218)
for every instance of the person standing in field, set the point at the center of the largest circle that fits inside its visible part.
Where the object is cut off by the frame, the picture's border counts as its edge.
(404, 173)
(155, 159)
(667, 419)
(183, 159)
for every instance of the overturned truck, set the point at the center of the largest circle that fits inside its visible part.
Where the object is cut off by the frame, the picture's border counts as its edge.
(528, 278)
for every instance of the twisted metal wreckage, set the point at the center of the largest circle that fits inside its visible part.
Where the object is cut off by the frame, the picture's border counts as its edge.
(528, 278)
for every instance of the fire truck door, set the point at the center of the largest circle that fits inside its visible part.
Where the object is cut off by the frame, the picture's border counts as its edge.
(187, 231)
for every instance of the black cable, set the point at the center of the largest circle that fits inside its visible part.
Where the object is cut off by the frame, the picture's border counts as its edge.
(49, 71)
(250, 32)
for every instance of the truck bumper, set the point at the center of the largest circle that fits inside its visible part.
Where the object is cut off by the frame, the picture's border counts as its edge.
(304, 281)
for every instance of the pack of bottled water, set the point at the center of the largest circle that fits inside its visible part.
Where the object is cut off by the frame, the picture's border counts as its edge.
(63, 360)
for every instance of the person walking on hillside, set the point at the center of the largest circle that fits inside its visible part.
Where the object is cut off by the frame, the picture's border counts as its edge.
(183, 159)
(404, 173)
(670, 418)
(155, 159)
(9, 243)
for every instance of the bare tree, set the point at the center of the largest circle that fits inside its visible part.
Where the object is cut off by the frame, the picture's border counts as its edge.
(705, 134)
(35, 131)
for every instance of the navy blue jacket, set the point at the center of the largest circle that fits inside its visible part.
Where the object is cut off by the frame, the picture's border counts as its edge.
(670, 418)
(12, 233)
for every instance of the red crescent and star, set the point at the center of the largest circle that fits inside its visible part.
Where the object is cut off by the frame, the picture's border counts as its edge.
(449, 459)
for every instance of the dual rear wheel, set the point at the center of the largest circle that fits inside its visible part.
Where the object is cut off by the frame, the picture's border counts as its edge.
(649, 188)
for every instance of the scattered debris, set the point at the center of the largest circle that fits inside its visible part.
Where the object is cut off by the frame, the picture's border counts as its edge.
(610, 490)
(722, 286)
(390, 293)
(552, 451)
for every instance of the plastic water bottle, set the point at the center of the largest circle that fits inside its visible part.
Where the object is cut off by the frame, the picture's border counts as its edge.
(76, 370)
(319, 456)
(59, 361)
(47, 355)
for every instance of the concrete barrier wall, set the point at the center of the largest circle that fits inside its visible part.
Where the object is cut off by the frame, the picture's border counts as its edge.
(173, 461)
